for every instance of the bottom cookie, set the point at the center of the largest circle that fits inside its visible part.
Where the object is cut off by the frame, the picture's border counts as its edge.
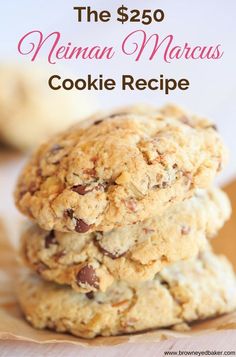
(184, 292)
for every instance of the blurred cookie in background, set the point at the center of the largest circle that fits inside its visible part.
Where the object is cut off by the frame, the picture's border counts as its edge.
(30, 111)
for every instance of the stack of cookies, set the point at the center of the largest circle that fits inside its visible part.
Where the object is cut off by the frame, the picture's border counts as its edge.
(124, 210)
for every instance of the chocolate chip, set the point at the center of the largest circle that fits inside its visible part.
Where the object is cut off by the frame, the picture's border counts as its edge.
(97, 122)
(112, 116)
(87, 275)
(175, 166)
(69, 213)
(114, 255)
(165, 284)
(84, 189)
(111, 255)
(90, 295)
(50, 239)
(55, 148)
(81, 226)
(81, 190)
(164, 184)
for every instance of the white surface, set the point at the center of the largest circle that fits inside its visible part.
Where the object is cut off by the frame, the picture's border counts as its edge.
(221, 341)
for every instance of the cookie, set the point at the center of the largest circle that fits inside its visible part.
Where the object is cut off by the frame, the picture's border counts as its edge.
(30, 111)
(182, 293)
(92, 261)
(118, 170)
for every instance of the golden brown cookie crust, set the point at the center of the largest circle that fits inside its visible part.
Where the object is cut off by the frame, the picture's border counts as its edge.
(182, 293)
(119, 170)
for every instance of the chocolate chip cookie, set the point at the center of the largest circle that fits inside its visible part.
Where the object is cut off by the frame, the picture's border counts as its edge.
(30, 112)
(184, 292)
(118, 170)
(135, 253)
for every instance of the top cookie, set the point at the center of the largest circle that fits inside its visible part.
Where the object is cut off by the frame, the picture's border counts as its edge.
(119, 169)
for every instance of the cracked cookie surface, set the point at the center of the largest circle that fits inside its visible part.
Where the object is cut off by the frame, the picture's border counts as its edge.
(119, 169)
(135, 253)
(181, 293)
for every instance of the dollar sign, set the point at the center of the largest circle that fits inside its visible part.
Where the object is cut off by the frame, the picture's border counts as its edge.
(122, 13)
